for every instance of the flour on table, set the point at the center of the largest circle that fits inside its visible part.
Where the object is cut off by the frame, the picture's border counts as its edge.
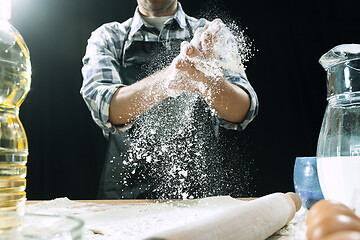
(133, 221)
(139, 220)
(295, 229)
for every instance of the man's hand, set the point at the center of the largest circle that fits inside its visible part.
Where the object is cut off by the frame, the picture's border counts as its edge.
(206, 37)
(194, 69)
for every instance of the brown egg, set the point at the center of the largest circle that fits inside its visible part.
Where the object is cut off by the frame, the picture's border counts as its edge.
(343, 235)
(332, 224)
(325, 208)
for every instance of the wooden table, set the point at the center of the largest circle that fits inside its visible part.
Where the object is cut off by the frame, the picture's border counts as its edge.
(125, 201)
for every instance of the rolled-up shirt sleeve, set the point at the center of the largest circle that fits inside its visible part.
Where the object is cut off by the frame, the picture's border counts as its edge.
(241, 80)
(100, 77)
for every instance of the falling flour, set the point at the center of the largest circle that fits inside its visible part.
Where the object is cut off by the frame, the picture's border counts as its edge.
(171, 154)
(173, 151)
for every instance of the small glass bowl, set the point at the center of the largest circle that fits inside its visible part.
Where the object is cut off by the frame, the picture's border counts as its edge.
(49, 227)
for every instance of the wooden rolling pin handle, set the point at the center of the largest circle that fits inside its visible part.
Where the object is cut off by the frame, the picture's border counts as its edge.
(254, 220)
(296, 200)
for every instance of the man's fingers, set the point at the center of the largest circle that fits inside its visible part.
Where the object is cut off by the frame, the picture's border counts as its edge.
(218, 21)
(184, 66)
(183, 47)
(215, 26)
(196, 41)
(186, 48)
(191, 51)
(179, 63)
(207, 40)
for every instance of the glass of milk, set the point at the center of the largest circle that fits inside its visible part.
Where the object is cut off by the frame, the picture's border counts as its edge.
(306, 182)
(338, 149)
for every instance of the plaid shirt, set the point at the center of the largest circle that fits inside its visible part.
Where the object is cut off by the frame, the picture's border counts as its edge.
(102, 60)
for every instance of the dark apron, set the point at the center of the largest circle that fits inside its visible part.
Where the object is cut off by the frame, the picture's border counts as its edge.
(170, 151)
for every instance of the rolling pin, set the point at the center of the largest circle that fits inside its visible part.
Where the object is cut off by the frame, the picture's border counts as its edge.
(255, 220)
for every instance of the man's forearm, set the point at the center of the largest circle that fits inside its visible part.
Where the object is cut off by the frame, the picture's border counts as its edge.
(132, 101)
(230, 101)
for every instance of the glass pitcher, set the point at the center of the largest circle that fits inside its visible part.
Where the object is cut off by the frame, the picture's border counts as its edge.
(338, 149)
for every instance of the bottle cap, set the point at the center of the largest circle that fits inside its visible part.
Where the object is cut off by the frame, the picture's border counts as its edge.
(5, 9)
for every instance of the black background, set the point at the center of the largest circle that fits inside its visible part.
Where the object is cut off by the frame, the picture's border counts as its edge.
(67, 148)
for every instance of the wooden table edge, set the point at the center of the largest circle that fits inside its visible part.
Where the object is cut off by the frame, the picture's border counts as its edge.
(124, 201)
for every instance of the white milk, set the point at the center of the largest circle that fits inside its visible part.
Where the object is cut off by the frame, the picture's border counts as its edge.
(339, 178)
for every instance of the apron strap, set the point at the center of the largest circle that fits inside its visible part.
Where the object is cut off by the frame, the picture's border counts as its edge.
(125, 39)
